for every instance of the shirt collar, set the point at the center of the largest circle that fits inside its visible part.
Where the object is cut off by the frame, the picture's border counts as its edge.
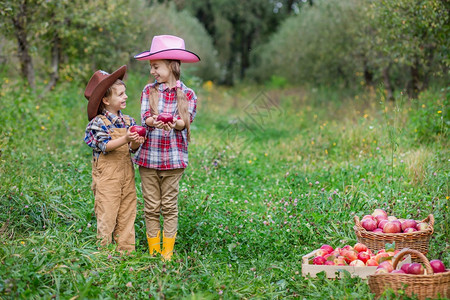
(163, 87)
(112, 117)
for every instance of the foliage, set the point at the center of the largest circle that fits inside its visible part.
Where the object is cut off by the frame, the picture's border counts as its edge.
(260, 192)
(315, 46)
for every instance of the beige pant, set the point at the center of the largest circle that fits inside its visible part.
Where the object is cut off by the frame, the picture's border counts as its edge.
(115, 196)
(160, 191)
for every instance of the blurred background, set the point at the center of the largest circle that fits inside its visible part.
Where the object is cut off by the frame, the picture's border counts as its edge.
(401, 44)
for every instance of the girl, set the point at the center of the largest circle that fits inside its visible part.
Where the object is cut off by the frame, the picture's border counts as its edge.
(164, 155)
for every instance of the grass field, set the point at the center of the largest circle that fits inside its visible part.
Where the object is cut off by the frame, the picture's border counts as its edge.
(273, 174)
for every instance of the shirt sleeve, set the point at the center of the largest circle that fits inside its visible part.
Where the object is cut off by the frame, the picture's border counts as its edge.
(97, 135)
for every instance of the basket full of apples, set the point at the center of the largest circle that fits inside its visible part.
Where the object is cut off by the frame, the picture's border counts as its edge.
(425, 279)
(377, 229)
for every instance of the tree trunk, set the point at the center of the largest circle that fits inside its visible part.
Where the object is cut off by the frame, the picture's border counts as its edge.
(368, 75)
(387, 84)
(414, 88)
(26, 62)
(55, 59)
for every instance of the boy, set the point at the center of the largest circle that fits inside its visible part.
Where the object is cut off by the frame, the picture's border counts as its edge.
(112, 169)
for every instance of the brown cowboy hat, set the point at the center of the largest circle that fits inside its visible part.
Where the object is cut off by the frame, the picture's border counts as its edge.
(97, 86)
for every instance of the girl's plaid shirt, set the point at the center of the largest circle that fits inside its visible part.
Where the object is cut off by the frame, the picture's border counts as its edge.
(165, 150)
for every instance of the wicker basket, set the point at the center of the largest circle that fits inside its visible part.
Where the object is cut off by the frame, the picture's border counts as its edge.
(425, 286)
(417, 240)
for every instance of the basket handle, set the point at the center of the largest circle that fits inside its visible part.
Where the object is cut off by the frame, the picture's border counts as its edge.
(357, 223)
(416, 253)
(431, 218)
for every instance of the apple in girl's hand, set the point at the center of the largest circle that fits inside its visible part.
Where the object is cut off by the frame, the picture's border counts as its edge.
(165, 118)
(139, 129)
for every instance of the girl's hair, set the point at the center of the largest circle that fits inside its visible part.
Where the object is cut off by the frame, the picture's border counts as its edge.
(108, 93)
(182, 102)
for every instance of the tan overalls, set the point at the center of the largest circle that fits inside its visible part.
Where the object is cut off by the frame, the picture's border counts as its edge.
(115, 193)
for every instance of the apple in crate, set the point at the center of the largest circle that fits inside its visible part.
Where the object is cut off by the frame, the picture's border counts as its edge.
(357, 263)
(139, 129)
(387, 264)
(371, 262)
(364, 256)
(319, 260)
(327, 248)
(360, 247)
(165, 118)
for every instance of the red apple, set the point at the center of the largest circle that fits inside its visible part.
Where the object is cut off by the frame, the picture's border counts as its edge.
(422, 226)
(380, 218)
(379, 256)
(327, 248)
(368, 216)
(378, 230)
(329, 263)
(320, 252)
(347, 247)
(398, 272)
(416, 269)
(165, 118)
(360, 247)
(408, 223)
(381, 271)
(378, 212)
(387, 264)
(369, 224)
(319, 260)
(340, 261)
(382, 223)
(392, 227)
(437, 266)
(357, 263)
(391, 218)
(371, 262)
(409, 229)
(139, 129)
(364, 256)
(349, 256)
(405, 267)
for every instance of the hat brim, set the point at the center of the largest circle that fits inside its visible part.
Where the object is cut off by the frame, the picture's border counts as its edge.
(100, 90)
(182, 55)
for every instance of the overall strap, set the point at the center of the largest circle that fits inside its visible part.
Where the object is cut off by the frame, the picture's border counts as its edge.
(105, 120)
(127, 120)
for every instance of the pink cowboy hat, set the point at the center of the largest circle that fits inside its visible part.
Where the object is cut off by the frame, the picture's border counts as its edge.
(168, 47)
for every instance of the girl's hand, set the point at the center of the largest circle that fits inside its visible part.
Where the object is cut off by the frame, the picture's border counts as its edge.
(133, 137)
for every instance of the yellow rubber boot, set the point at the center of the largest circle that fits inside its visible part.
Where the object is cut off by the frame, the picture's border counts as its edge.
(154, 244)
(167, 249)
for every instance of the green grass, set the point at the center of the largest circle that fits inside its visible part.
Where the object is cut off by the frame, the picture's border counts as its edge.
(266, 185)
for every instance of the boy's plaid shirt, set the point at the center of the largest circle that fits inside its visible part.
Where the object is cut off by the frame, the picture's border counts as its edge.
(165, 150)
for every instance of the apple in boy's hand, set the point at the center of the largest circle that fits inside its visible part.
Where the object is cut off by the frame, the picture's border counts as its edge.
(165, 118)
(139, 129)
